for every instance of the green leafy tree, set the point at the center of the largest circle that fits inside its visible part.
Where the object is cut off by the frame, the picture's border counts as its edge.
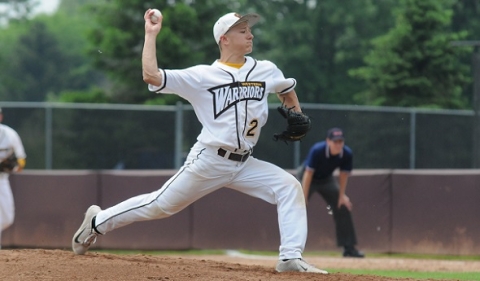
(341, 33)
(53, 44)
(96, 95)
(117, 42)
(8, 38)
(317, 42)
(73, 7)
(70, 30)
(16, 10)
(414, 64)
(466, 16)
(35, 66)
(46, 55)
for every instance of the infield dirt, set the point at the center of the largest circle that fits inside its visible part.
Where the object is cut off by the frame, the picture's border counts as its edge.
(40, 264)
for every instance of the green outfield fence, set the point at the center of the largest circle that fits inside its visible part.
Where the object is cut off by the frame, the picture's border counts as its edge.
(120, 136)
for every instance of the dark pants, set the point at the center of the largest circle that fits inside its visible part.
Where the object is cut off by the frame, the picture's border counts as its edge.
(328, 188)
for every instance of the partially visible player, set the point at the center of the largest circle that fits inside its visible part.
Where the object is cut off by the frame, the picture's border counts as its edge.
(12, 159)
(230, 100)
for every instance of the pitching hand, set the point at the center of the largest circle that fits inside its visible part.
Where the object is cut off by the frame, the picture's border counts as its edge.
(151, 27)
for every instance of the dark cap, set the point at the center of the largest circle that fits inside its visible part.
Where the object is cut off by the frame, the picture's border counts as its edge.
(335, 134)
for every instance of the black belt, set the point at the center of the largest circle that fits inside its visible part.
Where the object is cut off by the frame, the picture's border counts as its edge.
(234, 156)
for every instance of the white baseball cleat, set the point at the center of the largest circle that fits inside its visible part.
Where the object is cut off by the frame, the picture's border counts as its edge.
(298, 265)
(85, 235)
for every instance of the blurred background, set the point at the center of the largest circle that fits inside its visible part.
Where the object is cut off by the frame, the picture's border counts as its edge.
(400, 77)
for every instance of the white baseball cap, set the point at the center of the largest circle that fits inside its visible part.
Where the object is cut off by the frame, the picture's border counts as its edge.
(229, 20)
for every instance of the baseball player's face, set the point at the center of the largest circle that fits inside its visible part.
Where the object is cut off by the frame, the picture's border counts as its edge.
(241, 37)
(336, 146)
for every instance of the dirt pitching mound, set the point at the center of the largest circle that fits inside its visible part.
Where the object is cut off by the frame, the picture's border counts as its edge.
(39, 264)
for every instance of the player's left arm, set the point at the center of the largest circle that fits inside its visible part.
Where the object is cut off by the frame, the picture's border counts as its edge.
(342, 197)
(21, 164)
(285, 90)
(19, 151)
(298, 124)
(345, 170)
(289, 100)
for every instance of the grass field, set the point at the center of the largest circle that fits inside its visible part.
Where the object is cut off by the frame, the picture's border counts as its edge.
(417, 274)
(414, 275)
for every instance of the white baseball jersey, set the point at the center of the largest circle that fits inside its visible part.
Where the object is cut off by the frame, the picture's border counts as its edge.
(231, 104)
(221, 95)
(10, 142)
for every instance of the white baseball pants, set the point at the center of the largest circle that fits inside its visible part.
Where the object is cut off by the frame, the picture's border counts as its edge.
(204, 172)
(7, 206)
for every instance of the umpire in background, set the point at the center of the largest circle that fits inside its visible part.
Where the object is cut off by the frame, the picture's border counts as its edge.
(316, 175)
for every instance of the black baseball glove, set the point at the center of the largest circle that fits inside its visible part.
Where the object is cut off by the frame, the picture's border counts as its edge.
(298, 124)
(8, 164)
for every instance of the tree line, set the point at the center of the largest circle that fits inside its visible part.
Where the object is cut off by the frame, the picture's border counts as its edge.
(365, 52)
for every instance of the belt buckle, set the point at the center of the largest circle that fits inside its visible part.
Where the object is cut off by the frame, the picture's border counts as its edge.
(232, 155)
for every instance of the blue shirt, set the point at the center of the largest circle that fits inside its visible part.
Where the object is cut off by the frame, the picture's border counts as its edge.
(324, 164)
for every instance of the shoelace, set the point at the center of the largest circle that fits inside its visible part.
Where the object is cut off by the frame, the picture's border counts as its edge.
(91, 239)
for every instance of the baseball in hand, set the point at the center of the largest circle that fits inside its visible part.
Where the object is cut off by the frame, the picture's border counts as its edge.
(155, 16)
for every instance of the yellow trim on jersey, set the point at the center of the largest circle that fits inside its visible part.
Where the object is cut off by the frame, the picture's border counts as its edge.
(234, 65)
(21, 162)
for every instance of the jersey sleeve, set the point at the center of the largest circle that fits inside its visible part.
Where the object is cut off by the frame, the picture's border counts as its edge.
(17, 144)
(347, 163)
(282, 85)
(182, 82)
(312, 158)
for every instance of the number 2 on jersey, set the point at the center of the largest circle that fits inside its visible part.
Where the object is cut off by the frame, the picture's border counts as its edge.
(252, 126)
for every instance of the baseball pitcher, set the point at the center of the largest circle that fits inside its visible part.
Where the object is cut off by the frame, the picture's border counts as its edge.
(229, 98)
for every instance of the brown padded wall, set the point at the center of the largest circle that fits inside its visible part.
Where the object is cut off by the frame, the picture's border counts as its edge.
(228, 219)
(369, 191)
(321, 229)
(436, 212)
(49, 206)
(394, 211)
(169, 233)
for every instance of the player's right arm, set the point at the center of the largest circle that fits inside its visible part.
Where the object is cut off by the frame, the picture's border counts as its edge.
(150, 72)
(306, 182)
(310, 166)
(342, 197)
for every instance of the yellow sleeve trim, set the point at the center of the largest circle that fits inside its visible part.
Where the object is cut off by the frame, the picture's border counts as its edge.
(21, 162)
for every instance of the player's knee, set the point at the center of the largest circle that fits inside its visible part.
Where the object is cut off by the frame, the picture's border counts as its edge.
(292, 187)
(293, 181)
(164, 210)
(290, 180)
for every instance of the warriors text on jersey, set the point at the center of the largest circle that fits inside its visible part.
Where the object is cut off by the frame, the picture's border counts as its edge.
(221, 95)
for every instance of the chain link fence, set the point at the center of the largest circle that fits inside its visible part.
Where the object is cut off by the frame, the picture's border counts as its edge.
(113, 136)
